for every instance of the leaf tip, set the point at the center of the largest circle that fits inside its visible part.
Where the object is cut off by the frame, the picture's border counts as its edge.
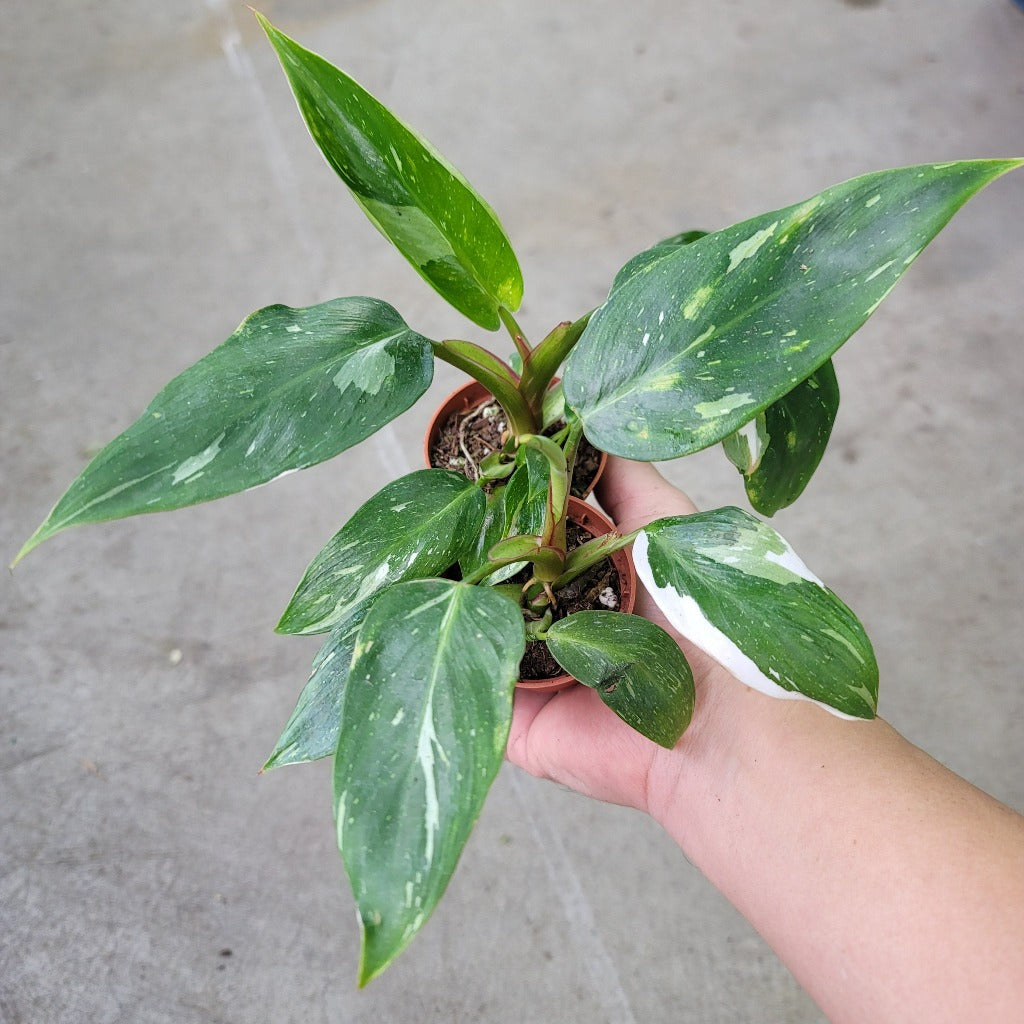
(293, 623)
(274, 34)
(261, 18)
(279, 756)
(34, 541)
(370, 965)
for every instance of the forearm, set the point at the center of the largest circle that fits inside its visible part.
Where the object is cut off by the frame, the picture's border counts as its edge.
(891, 888)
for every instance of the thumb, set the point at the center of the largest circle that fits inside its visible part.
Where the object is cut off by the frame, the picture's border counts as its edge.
(634, 493)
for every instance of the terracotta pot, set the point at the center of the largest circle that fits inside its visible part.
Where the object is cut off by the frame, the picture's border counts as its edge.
(597, 524)
(467, 397)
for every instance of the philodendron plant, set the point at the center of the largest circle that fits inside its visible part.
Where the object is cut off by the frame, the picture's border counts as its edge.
(431, 591)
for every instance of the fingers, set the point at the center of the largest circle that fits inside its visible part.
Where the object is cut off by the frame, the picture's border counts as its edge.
(571, 738)
(528, 705)
(634, 493)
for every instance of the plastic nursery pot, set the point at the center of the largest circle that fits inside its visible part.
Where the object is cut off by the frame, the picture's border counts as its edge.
(464, 399)
(597, 524)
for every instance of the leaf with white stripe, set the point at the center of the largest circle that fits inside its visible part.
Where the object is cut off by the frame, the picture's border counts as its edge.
(635, 667)
(695, 340)
(424, 724)
(779, 450)
(413, 528)
(736, 589)
(290, 388)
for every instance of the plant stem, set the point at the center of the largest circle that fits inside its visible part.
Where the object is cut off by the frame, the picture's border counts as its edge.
(571, 446)
(482, 572)
(495, 374)
(518, 337)
(582, 558)
(542, 365)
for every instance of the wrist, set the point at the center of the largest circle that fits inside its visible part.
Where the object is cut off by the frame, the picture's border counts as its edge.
(698, 786)
(681, 779)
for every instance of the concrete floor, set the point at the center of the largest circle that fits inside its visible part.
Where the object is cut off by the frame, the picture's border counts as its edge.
(158, 185)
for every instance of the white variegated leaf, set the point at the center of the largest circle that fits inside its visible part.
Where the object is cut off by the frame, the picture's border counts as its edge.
(737, 590)
(412, 528)
(290, 388)
(695, 340)
(424, 722)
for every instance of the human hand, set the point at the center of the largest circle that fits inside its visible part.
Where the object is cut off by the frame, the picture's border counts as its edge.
(570, 736)
(807, 823)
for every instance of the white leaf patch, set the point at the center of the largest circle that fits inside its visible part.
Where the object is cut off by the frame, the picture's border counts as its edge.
(749, 246)
(193, 467)
(368, 370)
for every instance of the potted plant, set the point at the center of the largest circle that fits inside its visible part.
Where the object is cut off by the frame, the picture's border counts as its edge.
(430, 594)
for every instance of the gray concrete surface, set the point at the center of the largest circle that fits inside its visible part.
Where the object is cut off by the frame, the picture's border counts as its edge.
(158, 185)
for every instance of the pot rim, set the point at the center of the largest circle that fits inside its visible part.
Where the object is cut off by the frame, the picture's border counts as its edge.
(465, 397)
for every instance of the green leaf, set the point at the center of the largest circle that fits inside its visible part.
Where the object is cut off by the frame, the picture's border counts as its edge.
(553, 408)
(417, 200)
(698, 339)
(652, 255)
(636, 668)
(780, 449)
(491, 531)
(516, 508)
(313, 728)
(414, 527)
(738, 591)
(290, 388)
(514, 547)
(423, 731)
(526, 493)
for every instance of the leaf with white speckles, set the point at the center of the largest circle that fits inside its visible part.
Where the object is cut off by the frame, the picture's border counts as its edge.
(424, 723)
(290, 388)
(413, 528)
(313, 727)
(736, 589)
(778, 452)
(751, 311)
(655, 253)
(417, 200)
(635, 667)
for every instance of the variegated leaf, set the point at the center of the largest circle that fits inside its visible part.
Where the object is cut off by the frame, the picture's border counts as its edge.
(312, 730)
(417, 200)
(424, 724)
(516, 508)
(414, 527)
(635, 667)
(779, 450)
(695, 340)
(736, 589)
(290, 388)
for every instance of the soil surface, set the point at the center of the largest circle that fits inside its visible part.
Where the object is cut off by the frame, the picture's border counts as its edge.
(466, 438)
